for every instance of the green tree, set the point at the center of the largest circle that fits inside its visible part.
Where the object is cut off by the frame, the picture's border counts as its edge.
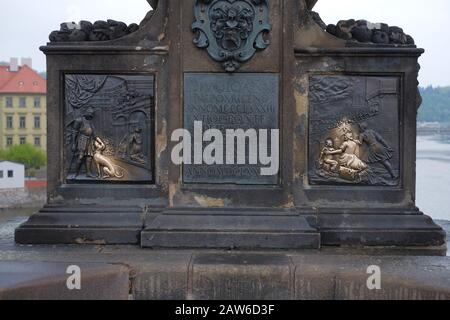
(2, 154)
(436, 104)
(26, 154)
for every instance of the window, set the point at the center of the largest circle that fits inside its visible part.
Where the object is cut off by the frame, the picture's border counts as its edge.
(9, 141)
(10, 174)
(37, 102)
(35, 83)
(23, 140)
(37, 122)
(9, 102)
(22, 102)
(22, 122)
(9, 122)
(1, 174)
(37, 141)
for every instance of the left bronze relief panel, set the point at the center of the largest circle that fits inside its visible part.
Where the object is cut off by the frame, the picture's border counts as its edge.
(109, 128)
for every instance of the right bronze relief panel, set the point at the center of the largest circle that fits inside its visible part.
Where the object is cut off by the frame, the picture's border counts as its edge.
(354, 130)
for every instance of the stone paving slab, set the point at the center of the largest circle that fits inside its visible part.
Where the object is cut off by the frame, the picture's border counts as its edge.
(211, 274)
(44, 280)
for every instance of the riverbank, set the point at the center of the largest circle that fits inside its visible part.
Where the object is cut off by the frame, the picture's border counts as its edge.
(22, 198)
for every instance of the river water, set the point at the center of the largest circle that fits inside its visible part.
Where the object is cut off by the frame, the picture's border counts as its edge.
(433, 175)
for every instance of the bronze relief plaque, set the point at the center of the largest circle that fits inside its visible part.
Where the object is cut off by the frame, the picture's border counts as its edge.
(354, 133)
(109, 128)
(247, 102)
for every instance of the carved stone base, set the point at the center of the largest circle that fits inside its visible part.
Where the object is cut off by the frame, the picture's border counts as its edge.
(232, 229)
(82, 225)
(380, 228)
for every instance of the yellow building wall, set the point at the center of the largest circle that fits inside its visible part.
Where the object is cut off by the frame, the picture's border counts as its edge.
(29, 112)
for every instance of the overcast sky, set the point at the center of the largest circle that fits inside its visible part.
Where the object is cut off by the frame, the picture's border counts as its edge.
(25, 24)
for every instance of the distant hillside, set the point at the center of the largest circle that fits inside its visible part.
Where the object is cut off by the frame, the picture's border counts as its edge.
(436, 104)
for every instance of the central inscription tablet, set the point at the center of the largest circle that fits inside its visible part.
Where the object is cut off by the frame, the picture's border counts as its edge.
(228, 102)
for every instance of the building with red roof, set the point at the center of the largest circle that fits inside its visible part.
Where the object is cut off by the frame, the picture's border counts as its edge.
(23, 110)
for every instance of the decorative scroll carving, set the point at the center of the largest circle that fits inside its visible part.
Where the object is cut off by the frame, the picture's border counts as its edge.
(354, 134)
(231, 30)
(109, 128)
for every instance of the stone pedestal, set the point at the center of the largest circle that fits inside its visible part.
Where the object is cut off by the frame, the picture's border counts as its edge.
(343, 114)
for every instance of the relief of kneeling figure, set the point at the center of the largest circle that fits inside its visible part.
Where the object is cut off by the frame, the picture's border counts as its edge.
(350, 165)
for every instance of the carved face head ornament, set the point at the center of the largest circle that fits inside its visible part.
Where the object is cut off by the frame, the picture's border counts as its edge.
(89, 115)
(232, 24)
(329, 143)
(348, 136)
(363, 126)
(99, 145)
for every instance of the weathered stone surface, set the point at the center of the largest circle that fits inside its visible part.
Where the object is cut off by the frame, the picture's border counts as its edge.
(164, 277)
(362, 33)
(80, 225)
(246, 229)
(48, 281)
(192, 274)
(366, 32)
(229, 276)
(87, 31)
(345, 278)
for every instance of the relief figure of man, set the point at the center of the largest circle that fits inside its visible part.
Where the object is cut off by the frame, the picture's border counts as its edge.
(83, 143)
(379, 150)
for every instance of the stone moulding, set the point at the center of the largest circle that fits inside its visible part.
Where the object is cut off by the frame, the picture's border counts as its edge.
(102, 50)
